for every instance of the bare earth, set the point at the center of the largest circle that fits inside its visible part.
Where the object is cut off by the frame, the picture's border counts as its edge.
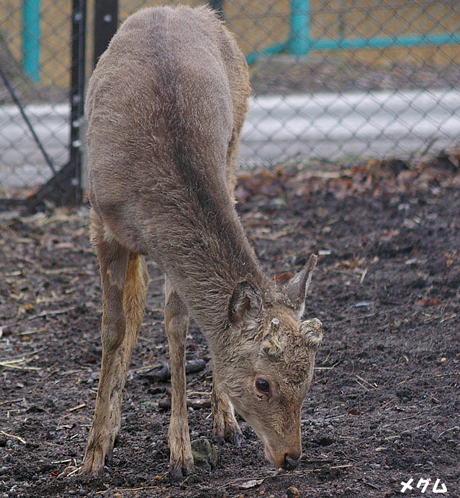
(384, 407)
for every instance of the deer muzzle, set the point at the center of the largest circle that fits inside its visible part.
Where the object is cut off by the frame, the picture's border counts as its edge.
(287, 460)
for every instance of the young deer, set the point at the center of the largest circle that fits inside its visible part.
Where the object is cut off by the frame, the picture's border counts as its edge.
(165, 106)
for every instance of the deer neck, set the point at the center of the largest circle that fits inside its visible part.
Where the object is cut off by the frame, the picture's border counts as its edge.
(207, 263)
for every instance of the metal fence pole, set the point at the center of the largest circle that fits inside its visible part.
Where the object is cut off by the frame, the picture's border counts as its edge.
(218, 6)
(105, 25)
(31, 39)
(65, 188)
(299, 39)
(77, 92)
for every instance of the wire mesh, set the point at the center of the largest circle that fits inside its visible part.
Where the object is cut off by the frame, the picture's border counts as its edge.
(369, 78)
(34, 86)
(332, 79)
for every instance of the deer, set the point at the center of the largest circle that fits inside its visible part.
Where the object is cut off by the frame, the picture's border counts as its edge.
(166, 105)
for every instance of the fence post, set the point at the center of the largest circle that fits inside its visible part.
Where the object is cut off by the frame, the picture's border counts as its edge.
(218, 6)
(31, 39)
(299, 39)
(105, 25)
(77, 94)
(65, 187)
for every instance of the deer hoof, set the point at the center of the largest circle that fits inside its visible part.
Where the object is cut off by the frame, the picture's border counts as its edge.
(225, 424)
(179, 473)
(234, 436)
(230, 432)
(93, 463)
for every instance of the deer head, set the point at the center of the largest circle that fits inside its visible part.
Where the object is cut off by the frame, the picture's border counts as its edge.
(267, 367)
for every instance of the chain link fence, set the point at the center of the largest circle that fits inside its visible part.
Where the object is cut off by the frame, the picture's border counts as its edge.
(332, 79)
(34, 94)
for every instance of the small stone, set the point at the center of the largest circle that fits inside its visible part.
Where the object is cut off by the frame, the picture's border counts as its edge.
(292, 492)
(443, 361)
(5, 331)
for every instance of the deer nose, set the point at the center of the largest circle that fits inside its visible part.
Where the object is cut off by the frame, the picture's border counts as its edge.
(290, 463)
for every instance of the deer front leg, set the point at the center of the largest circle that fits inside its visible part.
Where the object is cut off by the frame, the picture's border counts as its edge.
(223, 415)
(176, 323)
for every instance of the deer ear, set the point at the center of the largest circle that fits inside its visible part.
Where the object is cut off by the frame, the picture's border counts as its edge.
(245, 303)
(296, 289)
(311, 331)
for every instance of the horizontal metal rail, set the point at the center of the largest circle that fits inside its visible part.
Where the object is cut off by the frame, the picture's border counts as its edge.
(300, 43)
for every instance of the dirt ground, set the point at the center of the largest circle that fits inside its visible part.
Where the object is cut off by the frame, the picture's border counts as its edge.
(383, 413)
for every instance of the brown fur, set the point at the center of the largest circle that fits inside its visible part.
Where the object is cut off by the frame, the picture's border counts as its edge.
(165, 107)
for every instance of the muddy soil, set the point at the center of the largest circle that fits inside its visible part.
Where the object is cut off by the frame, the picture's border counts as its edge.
(382, 416)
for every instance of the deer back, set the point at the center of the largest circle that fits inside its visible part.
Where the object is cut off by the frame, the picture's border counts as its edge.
(165, 107)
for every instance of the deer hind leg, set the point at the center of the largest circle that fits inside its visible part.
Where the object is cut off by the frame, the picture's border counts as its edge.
(223, 415)
(134, 306)
(124, 285)
(176, 323)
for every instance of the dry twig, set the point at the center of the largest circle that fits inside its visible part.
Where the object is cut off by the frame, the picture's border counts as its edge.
(13, 436)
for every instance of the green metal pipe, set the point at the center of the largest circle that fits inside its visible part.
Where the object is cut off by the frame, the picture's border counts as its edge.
(253, 57)
(387, 42)
(300, 42)
(31, 39)
(299, 39)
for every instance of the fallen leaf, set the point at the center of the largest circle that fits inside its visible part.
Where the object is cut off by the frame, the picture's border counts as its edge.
(429, 301)
(292, 492)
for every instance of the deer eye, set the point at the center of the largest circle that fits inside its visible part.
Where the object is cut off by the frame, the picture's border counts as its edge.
(263, 386)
